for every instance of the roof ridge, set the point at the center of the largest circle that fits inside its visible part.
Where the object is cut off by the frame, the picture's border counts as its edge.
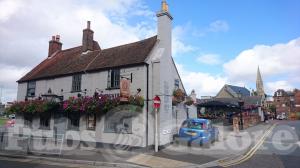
(72, 48)
(130, 43)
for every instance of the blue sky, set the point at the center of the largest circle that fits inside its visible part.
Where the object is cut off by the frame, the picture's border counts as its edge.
(250, 23)
(214, 41)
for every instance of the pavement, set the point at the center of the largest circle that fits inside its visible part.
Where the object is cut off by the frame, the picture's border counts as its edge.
(230, 146)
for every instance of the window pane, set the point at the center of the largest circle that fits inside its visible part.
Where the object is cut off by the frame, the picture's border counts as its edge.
(115, 124)
(76, 83)
(115, 78)
(91, 121)
(31, 88)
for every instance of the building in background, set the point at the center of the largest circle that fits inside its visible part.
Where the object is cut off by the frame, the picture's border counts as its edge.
(231, 91)
(284, 102)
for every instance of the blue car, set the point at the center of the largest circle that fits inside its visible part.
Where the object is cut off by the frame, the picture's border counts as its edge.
(197, 131)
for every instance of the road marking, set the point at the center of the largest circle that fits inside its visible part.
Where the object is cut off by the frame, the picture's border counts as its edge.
(250, 153)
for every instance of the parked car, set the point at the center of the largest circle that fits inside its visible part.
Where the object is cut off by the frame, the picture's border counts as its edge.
(281, 116)
(12, 116)
(197, 131)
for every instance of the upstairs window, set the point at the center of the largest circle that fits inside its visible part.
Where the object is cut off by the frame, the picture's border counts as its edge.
(76, 83)
(113, 78)
(31, 89)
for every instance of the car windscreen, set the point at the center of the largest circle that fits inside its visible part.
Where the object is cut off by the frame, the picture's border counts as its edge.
(196, 125)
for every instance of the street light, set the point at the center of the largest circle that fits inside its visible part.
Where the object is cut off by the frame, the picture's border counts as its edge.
(241, 104)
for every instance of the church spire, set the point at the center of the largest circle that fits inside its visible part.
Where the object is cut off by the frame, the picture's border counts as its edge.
(259, 84)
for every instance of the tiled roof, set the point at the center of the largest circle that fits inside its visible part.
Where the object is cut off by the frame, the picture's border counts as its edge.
(238, 89)
(71, 61)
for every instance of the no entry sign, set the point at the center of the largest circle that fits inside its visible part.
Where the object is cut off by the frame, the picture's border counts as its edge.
(156, 102)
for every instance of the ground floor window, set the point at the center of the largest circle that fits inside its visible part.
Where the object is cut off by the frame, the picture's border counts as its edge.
(118, 124)
(45, 121)
(27, 121)
(73, 121)
(91, 121)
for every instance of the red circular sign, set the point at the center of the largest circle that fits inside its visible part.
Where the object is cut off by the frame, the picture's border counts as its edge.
(156, 102)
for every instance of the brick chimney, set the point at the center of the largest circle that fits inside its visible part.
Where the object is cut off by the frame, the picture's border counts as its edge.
(54, 45)
(88, 38)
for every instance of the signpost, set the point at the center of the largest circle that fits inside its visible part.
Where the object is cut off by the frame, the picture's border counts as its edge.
(156, 105)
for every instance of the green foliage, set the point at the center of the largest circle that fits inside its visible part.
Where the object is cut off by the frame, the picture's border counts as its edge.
(272, 108)
(32, 107)
(137, 100)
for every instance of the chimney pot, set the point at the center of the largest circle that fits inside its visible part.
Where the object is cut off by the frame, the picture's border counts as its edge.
(88, 24)
(54, 45)
(57, 38)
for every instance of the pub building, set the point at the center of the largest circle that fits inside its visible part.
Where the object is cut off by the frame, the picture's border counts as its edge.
(141, 69)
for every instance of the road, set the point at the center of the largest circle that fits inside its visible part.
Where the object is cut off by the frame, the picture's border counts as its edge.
(281, 149)
(31, 163)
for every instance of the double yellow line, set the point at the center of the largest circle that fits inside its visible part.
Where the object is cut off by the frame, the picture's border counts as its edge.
(250, 153)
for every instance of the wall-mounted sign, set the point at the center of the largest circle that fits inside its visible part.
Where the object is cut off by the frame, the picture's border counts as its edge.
(124, 90)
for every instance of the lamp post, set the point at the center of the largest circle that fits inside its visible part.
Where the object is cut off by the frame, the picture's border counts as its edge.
(241, 104)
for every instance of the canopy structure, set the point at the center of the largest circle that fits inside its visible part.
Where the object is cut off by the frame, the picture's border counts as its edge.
(216, 103)
(223, 109)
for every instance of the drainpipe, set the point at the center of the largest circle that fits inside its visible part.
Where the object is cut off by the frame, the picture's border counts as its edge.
(147, 106)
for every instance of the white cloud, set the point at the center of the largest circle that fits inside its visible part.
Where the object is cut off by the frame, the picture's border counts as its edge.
(271, 87)
(204, 84)
(218, 26)
(213, 27)
(278, 59)
(210, 59)
(178, 46)
(9, 8)
(26, 28)
(9, 75)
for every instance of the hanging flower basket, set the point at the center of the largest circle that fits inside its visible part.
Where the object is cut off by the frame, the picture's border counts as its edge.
(99, 104)
(33, 107)
(189, 101)
(136, 100)
(178, 96)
